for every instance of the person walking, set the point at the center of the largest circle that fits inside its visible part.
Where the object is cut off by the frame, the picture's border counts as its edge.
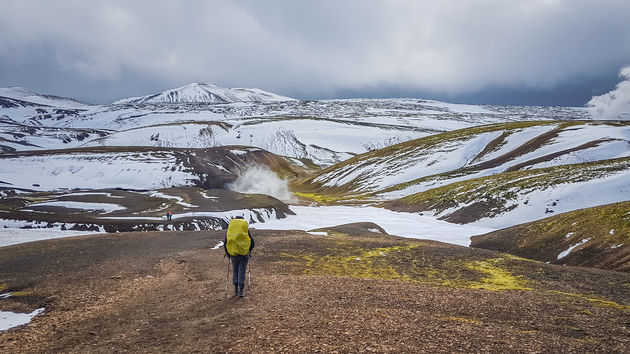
(238, 245)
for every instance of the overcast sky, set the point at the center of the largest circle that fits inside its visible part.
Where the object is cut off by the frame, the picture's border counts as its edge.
(548, 52)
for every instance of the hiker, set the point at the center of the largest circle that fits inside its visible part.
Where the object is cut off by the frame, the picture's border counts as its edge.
(169, 216)
(238, 245)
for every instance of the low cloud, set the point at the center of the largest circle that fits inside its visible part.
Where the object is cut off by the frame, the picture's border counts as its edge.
(101, 51)
(261, 180)
(614, 104)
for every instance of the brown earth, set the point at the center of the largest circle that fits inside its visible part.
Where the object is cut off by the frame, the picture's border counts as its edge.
(165, 292)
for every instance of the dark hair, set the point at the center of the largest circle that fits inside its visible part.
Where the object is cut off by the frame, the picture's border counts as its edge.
(239, 217)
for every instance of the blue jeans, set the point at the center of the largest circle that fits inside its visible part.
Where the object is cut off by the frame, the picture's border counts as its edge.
(239, 265)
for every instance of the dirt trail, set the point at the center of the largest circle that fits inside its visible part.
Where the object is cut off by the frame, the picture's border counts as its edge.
(164, 292)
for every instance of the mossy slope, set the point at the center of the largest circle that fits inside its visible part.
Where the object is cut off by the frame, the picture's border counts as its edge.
(596, 237)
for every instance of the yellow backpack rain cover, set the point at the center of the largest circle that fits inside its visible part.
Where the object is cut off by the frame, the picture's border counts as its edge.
(238, 240)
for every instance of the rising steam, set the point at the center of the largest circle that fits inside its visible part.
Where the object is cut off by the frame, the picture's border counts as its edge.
(614, 104)
(261, 180)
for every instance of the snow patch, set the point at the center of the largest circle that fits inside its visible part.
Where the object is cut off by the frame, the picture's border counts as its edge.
(11, 319)
(104, 207)
(14, 235)
(568, 250)
(395, 223)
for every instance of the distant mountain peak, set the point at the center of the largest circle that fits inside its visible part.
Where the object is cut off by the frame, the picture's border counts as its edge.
(207, 93)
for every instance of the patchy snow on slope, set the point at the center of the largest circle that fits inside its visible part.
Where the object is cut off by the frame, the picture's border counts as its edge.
(516, 139)
(566, 197)
(254, 215)
(395, 223)
(93, 171)
(178, 200)
(381, 172)
(185, 135)
(604, 151)
(576, 136)
(22, 94)
(458, 107)
(568, 250)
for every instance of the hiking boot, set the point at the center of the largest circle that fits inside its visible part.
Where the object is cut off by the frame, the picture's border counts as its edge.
(241, 293)
(235, 290)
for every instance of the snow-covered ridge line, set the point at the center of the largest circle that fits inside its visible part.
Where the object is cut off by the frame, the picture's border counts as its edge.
(22, 94)
(206, 93)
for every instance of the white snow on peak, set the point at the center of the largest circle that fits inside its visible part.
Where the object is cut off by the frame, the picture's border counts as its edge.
(207, 93)
(22, 94)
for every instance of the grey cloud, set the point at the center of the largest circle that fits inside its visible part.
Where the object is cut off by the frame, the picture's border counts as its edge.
(102, 51)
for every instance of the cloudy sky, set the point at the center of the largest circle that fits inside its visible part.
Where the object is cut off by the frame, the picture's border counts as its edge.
(548, 52)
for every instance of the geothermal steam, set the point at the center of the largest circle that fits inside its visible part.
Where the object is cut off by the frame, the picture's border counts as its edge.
(261, 180)
(614, 104)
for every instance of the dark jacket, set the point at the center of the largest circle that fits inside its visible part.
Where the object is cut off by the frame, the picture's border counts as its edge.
(251, 244)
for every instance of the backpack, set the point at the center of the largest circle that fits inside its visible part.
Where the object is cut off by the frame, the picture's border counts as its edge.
(238, 240)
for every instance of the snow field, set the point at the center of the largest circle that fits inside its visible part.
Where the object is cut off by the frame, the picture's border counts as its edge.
(92, 171)
(395, 223)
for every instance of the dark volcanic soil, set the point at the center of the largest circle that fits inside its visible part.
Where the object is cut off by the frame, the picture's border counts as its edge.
(165, 292)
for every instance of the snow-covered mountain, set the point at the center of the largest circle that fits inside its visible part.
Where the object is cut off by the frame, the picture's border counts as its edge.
(22, 94)
(399, 152)
(206, 93)
(325, 132)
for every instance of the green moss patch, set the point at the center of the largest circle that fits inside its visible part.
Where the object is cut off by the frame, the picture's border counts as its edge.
(345, 257)
(497, 278)
(594, 300)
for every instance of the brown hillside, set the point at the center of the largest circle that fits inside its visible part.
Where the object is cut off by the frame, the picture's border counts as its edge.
(597, 237)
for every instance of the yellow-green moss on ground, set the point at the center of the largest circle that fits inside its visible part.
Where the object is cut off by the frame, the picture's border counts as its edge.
(344, 257)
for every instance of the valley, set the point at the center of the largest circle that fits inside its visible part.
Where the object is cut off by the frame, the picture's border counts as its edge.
(476, 219)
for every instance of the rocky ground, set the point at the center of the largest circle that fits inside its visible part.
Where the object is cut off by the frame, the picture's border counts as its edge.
(354, 290)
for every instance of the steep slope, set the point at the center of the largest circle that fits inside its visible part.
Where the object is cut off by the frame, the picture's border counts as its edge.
(594, 237)
(19, 93)
(135, 168)
(511, 198)
(15, 136)
(206, 93)
(497, 175)
(440, 159)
